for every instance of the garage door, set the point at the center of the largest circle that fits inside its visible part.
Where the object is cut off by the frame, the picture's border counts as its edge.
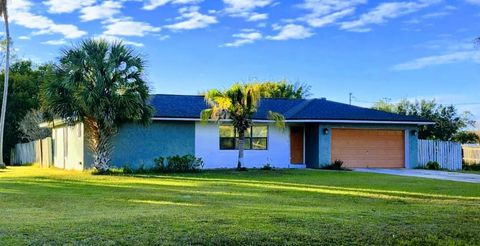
(369, 148)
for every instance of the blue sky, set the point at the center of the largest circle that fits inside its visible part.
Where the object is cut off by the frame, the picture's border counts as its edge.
(375, 49)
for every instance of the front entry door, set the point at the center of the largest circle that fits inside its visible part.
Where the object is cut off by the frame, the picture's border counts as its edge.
(296, 145)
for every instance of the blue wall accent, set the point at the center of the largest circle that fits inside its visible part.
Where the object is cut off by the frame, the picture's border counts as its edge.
(136, 145)
(325, 150)
(413, 147)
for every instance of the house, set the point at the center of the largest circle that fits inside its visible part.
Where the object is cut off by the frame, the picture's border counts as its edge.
(317, 132)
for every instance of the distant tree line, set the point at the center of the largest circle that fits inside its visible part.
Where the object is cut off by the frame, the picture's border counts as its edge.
(24, 90)
(450, 124)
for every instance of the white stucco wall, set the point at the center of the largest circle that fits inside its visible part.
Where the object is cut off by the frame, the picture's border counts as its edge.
(69, 147)
(207, 147)
(58, 147)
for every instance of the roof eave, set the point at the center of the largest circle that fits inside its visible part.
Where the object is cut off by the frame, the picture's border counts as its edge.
(311, 121)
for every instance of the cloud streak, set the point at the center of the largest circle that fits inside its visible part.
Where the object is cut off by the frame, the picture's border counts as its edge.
(429, 61)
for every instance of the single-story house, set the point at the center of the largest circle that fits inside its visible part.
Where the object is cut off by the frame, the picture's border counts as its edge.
(317, 132)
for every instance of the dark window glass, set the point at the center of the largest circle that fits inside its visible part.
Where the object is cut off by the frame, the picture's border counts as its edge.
(256, 138)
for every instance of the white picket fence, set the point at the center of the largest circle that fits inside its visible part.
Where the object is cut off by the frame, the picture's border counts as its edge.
(447, 154)
(471, 154)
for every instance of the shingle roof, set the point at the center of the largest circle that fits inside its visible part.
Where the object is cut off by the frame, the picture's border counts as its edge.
(186, 106)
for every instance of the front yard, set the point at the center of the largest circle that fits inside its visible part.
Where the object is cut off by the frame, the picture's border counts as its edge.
(41, 206)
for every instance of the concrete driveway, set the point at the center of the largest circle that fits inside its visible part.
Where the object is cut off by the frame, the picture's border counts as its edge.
(430, 174)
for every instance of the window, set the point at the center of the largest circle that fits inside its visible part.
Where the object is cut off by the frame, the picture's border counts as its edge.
(255, 137)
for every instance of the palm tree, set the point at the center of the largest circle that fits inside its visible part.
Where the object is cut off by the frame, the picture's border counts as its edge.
(102, 85)
(4, 12)
(238, 104)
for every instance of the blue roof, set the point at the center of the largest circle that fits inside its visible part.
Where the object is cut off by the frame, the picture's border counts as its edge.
(186, 106)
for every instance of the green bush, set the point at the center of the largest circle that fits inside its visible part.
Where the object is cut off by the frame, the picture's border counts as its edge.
(335, 165)
(473, 167)
(178, 164)
(432, 165)
(266, 167)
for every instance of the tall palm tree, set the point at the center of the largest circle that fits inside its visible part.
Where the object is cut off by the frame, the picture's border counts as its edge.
(238, 104)
(102, 85)
(4, 12)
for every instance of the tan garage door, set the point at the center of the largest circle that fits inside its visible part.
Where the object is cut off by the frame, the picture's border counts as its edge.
(369, 148)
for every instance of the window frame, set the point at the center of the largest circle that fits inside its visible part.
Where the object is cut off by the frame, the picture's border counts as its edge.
(249, 138)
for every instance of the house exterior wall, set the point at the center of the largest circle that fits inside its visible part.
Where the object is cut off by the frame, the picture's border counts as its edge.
(136, 145)
(207, 147)
(325, 140)
(68, 147)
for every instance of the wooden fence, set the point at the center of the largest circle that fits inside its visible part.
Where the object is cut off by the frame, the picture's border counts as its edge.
(447, 154)
(35, 152)
(471, 154)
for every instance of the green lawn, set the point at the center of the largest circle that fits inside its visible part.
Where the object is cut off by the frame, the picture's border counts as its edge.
(279, 207)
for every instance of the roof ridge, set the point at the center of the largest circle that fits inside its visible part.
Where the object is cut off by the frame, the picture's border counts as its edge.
(297, 108)
(182, 95)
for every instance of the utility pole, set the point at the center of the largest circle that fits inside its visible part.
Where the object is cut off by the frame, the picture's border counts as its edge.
(350, 96)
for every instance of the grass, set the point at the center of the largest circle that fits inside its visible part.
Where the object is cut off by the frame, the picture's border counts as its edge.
(46, 206)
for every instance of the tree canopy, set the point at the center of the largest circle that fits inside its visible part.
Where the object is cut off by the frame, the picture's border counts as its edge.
(284, 89)
(101, 85)
(238, 103)
(448, 120)
(23, 96)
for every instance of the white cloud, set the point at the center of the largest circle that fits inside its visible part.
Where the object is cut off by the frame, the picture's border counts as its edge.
(246, 8)
(20, 14)
(246, 37)
(322, 13)
(112, 38)
(322, 7)
(66, 6)
(428, 61)
(129, 28)
(24, 38)
(257, 17)
(383, 12)
(476, 2)
(329, 19)
(153, 4)
(105, 10)
(55, 42)
(237, 6)
(291, 31)
(191, 18)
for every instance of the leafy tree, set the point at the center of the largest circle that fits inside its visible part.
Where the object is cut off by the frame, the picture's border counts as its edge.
(23, 96)
(238, 104)
(4, 13)
(283, 89)
(29, 126)
(101, 85)
(466, 137)
(447, 118)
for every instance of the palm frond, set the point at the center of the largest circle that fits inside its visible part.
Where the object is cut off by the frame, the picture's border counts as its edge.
(278, 118)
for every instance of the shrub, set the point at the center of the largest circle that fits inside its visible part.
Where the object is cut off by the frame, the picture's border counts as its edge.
(127, 169)
(267, 167)
(176, 163)
(474, 167)
(335, 165)
(432, 165)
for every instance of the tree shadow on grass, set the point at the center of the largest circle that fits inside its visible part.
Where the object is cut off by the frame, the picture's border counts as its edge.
(202, 185)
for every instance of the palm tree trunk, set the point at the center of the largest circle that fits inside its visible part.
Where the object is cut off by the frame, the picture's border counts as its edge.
(99, 138)
(5, 84)
(241, 148)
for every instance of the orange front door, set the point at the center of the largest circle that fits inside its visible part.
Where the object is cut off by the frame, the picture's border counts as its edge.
(296, 145)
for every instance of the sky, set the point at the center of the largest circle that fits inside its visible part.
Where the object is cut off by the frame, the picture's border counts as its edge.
(413, 49)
